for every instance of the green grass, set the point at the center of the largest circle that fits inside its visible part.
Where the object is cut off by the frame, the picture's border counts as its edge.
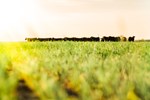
(76, 70)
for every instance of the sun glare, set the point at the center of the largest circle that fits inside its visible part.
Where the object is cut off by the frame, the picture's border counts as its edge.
(10, 20)
(44, 18)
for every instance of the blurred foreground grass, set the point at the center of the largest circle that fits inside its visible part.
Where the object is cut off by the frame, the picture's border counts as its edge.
(76, 70)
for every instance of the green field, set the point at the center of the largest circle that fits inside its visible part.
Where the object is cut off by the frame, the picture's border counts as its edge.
(75, 71)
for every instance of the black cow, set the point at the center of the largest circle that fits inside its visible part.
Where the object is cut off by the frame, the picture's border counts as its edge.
(131, 39)
(117, 39)
(110, 38)
(114, 39)
(95, 38)
(105, 39)
(43, 39)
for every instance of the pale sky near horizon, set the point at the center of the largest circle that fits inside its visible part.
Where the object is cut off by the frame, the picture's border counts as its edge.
(73, 18)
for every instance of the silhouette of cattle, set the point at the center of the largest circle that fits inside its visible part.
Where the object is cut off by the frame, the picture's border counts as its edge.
(110, 38)
(95, 39)
(117, 38)
(114, 39)
(82, 39)
(104, 38)
(64, 39)
(131, 39)
(122, 38)
(31, 39)
(43, 39)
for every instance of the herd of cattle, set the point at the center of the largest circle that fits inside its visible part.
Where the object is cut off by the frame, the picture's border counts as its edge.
(104, 38)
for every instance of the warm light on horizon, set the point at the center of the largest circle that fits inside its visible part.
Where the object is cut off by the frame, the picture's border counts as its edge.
(73, 18)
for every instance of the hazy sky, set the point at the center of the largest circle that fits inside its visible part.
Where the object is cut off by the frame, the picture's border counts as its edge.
(61, 18)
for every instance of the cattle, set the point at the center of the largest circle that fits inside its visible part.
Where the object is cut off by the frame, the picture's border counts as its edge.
(114, 39)
(105, 39)
(131, 39)
(31, 39)
(117, 38)
(43, 39)
(123, 39)
(95, 39)
(81, 39)
(110, 38)
(102, 39)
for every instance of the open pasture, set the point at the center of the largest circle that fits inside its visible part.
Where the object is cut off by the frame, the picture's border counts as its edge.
(65, 70)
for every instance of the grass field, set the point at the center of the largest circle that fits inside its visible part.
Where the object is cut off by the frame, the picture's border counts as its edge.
(75, 71)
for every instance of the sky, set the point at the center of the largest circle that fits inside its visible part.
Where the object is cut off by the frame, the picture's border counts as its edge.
(73, 18)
